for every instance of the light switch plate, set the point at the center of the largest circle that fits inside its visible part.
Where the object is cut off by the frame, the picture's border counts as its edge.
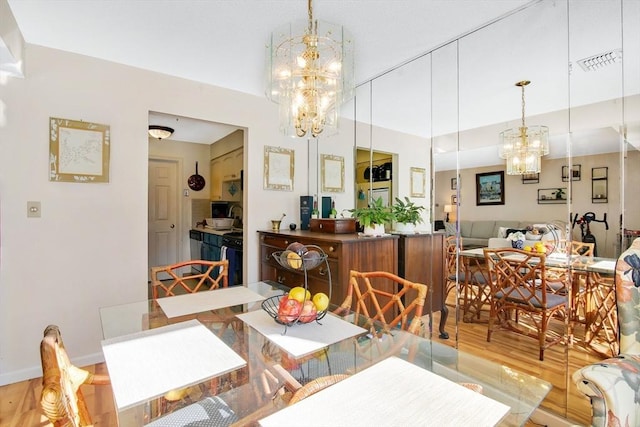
(33, 209)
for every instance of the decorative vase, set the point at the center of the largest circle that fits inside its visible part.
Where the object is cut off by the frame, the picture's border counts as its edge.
(374, 230)
(404, 227)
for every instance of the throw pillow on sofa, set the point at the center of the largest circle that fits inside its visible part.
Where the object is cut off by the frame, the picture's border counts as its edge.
(532, 236)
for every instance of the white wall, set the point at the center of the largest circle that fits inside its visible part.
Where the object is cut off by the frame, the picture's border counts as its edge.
(89, 249)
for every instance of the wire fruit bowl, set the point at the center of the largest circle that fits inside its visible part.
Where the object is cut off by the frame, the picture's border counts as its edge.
(270, 305)
(306, 259)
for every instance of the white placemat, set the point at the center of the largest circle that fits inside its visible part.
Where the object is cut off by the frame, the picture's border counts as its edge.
(302, 339)
(198, 302)
(603, 266)
(147, 364)
(393, 392)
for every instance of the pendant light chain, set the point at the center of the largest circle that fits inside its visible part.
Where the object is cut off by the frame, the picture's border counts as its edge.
(522, 103)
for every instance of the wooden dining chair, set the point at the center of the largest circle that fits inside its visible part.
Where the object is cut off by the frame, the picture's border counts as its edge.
(570, 280)
(519, 288)
(182, 276)
(61, 398)
(387, 301)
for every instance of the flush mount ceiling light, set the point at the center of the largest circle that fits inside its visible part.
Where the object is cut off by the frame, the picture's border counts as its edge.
(160, 132)
(524, 147)
(310, 74)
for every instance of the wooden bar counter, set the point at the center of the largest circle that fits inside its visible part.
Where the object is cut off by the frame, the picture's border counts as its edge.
(421, 259)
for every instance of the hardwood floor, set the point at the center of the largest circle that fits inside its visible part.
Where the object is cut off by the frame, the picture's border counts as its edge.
(521, 353)
(19, 402)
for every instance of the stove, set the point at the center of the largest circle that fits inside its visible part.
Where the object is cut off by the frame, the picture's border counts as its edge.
(233, 241)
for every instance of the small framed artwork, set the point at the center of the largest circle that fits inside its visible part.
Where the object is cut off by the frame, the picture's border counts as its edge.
(454, 183)
(531, 178)
(332, 173)
(454, 200)
(490, 188)
(574, 174)
(418, 180)
(78, 151)
(278, 168)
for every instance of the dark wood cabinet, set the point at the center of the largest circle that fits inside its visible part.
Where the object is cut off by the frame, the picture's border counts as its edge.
(345, 252)
(421, 259)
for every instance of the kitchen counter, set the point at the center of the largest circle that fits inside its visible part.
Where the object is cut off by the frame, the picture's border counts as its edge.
(216, 232)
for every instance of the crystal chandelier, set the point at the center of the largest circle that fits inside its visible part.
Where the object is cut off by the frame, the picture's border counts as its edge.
(310, 74)
(524, 147)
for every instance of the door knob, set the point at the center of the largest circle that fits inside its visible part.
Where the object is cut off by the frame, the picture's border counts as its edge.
(172, 226)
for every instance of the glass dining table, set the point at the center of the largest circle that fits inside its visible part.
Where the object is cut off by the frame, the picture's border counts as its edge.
(252, 383)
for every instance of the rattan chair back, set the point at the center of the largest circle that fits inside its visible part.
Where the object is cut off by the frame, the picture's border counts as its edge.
(214, 274)
(383, 309)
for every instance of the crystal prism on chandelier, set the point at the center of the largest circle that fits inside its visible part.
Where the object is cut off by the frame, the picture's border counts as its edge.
(310, 74)
(524, 147)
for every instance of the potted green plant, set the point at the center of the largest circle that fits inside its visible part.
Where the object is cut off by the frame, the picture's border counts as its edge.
(373, 217)
(406, 214)
(559, 193)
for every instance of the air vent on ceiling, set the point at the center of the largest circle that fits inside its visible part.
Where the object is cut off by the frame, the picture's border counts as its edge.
(596, 62)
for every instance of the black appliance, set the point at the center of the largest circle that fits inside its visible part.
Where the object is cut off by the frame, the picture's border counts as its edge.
(232, 241)
(195, 245)
(220, 209)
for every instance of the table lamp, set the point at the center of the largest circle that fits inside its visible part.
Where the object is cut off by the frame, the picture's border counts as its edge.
(448, 209)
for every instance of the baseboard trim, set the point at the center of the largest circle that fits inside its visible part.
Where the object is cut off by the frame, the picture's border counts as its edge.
(36, 371)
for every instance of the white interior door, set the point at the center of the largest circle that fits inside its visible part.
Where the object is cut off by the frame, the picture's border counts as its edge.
(163, 212)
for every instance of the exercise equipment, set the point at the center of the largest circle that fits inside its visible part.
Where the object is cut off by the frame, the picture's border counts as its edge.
(584, 222)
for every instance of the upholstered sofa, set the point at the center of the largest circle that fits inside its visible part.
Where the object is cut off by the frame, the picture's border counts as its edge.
(477, 233)
(613, 385)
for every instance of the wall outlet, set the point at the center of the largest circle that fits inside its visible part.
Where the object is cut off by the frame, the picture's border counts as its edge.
(33, 210)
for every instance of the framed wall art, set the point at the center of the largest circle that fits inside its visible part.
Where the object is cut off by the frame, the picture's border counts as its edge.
(574, 174)
(531, 178)
(418, 180)
(78, 151)
(278, 168)
(332, 173)
(490, 188)
(454, 183)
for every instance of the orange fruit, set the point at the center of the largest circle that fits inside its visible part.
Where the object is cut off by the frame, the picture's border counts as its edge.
(294, 260)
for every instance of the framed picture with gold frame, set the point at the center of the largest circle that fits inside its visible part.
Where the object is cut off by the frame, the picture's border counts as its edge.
(332, 168)
(78, 151)
(278, 168)
(418, 182)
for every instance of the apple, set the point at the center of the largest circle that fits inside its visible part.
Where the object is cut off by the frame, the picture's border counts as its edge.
(283, 301)
(309, 312)
(311, 258)
(289, 311)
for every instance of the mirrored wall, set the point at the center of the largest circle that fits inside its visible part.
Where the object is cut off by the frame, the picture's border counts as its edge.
(442, 113)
